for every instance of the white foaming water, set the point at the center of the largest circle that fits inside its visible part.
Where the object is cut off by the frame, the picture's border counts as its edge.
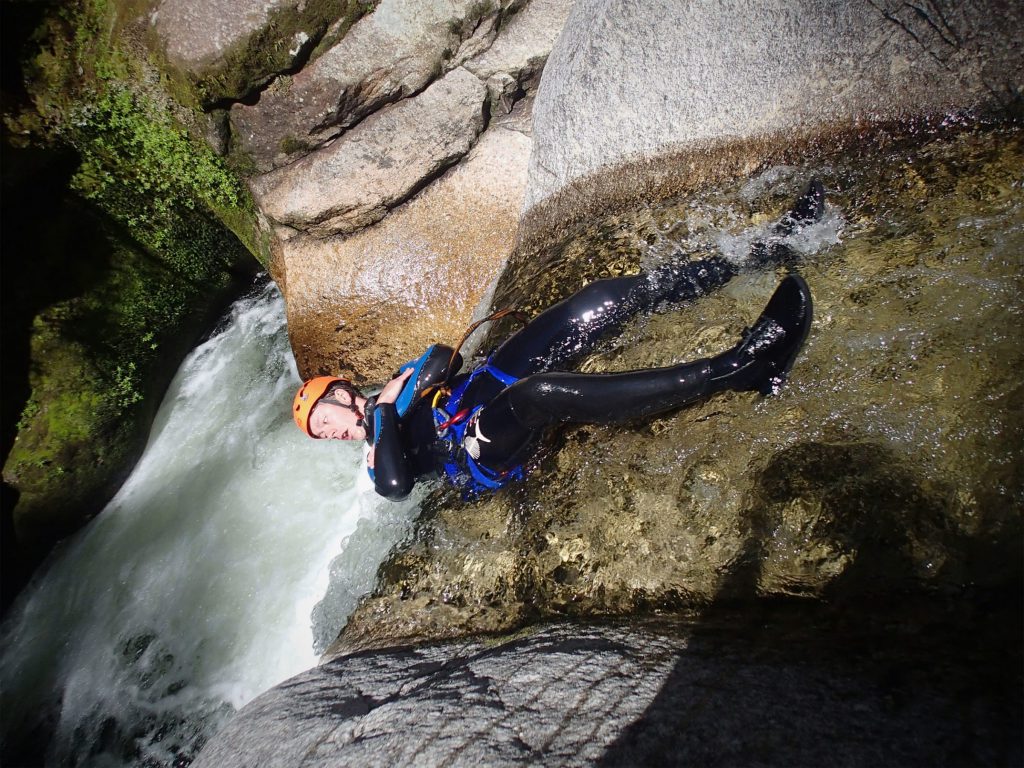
(736, 246)
(194, 590)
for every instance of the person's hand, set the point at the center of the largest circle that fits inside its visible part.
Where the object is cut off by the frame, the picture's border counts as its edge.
(369, 456)
(394, 387)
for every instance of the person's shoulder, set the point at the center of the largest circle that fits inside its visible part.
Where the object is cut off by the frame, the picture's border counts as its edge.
(430, 370)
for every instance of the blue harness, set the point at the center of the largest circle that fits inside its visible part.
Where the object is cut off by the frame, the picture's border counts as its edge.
(451, 423)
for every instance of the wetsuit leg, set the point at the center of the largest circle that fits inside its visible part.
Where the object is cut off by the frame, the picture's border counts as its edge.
(561, 334)
(505, 429)
(514, 417)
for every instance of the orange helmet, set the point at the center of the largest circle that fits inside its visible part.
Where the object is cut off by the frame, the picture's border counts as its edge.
(308, 396)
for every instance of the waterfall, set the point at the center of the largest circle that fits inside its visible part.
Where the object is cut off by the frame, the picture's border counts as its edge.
(195, 589)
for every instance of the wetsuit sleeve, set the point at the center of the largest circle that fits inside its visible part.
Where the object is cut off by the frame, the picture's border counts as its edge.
(392, 476)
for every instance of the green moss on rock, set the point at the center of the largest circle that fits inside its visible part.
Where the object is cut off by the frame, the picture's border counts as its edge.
(248, 65)
(154, 233)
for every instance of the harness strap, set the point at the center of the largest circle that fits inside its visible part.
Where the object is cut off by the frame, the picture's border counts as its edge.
(505, 378)
(478, 471)
(452, 429)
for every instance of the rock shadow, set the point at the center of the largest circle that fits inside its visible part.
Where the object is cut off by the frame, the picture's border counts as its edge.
(845, 521)
(788, 686)
(887, 659)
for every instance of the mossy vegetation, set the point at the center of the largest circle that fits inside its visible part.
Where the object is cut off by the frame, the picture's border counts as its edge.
(292, 36)
(141, 236)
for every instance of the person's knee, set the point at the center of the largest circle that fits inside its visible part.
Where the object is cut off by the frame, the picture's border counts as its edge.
(527, 402)
(600, 297)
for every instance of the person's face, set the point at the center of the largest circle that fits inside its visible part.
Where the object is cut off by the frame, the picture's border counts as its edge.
(334, 422)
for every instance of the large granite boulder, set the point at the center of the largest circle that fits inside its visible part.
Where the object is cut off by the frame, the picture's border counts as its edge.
(722, 85)
(716, 691)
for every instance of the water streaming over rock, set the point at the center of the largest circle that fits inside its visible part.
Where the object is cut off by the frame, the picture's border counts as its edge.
(890, 461)
(195, 589)
(892, 458)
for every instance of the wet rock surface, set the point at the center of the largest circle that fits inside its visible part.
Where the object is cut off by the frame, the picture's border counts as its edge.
(758, 690)
(458, 230)
(891, 460)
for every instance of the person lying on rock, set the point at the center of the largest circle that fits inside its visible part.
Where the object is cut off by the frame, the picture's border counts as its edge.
(479, 427)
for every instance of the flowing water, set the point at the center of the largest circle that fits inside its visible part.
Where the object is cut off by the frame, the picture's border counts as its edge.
(237, 549)
(891, 461)
(203, 582)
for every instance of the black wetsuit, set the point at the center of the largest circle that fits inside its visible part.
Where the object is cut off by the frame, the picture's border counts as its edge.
(501, 434)
(523, 388)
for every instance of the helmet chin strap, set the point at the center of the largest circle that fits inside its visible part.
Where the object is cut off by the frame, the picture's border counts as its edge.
(351, 405)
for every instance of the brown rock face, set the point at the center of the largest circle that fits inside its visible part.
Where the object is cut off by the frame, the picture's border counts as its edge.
(364, 303)
(371, 128)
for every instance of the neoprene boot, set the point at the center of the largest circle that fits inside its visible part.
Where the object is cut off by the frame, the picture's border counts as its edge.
(760, 361)
(808, 209)
(764, 357)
